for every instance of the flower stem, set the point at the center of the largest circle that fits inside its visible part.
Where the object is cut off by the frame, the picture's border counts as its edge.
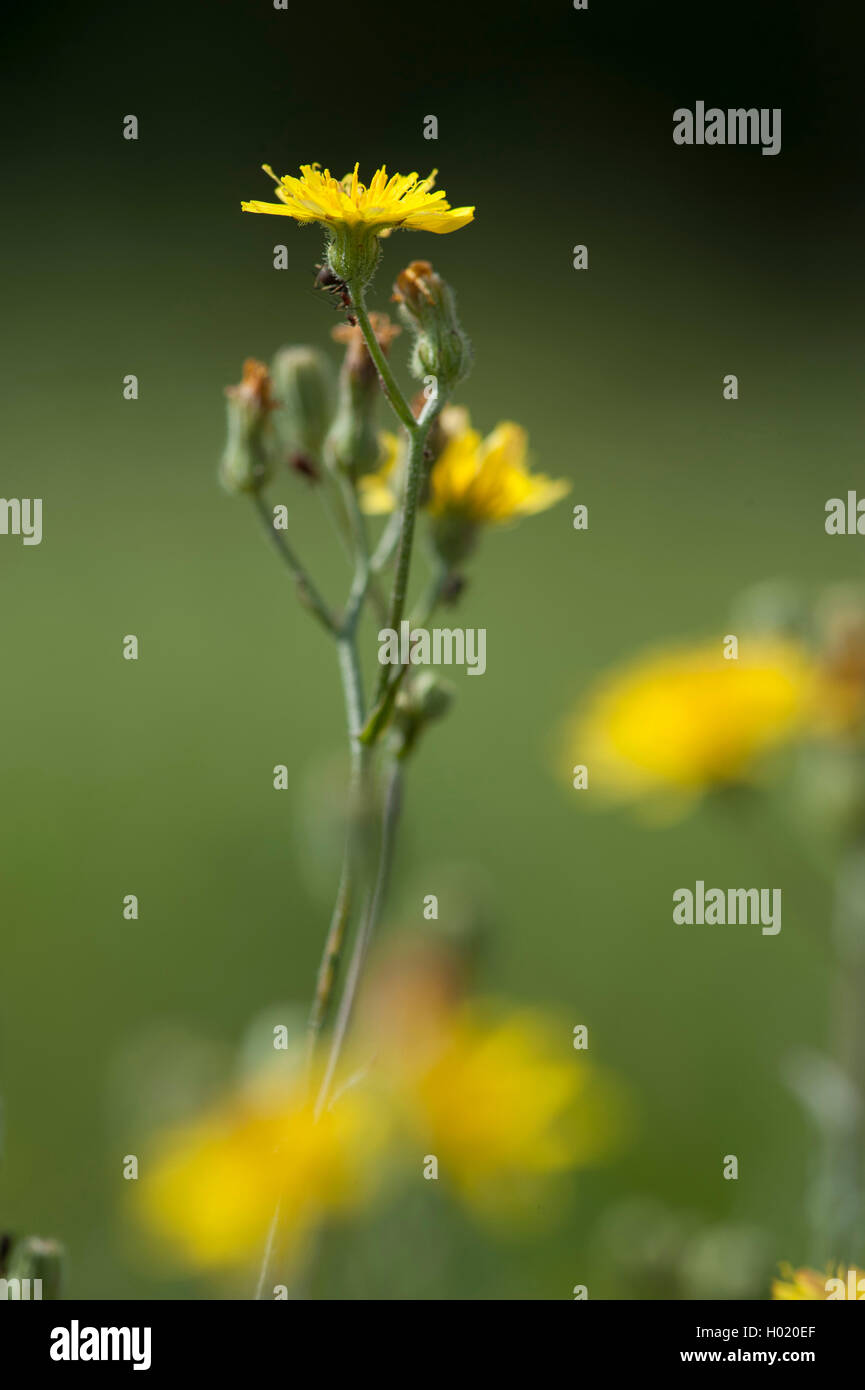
(390, 385)
(366, 928)
(406, 535)
(308, 593)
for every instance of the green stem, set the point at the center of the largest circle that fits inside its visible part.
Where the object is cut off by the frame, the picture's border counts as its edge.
(390, 385)
(355, 854)
(406, 535)
(388, 543)
(327, 970)
(359, 876)
(363, 570)
(380, 713)
(308, 593)
(390, 819)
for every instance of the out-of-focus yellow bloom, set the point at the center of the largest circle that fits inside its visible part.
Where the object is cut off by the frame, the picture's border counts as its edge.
(809, 1285)
(484, 481)
(686, 719)
(377, 491)
(403, 200)
(474, 481)
(211, 1191)
(503, 1103)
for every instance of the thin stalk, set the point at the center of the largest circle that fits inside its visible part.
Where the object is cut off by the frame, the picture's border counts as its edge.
(380, 713)
(355, 854)
(390, 819)
(360, 876)
(390, 385)
(307, 592)
(388, 542)
(406, 536)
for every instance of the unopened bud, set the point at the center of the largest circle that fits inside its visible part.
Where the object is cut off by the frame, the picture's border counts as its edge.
(427, 305)
(305, 389)
(353, 442)
(427, 699)
(353, 253)
(247, 459)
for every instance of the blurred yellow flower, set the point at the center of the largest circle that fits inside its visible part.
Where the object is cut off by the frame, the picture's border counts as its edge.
(809, 1285)
(212, 1189)
(684, 720)
(473, 481)
(403, 200)
(484, 481)
(503, 1103)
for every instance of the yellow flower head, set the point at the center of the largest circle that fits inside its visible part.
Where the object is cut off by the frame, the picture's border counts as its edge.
(504, 1103)
(211, 1191)
(685, 720)
(808, 1285)
(485, 481)
(473, 482)
(403, 200)
(376, 491)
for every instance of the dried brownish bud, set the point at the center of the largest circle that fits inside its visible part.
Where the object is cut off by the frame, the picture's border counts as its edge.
(442, 353)
(253, 391)
(247, 459)
(353, 443)
(358, 362)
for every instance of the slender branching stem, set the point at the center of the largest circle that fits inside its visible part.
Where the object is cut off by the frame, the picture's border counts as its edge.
(369, 846)
(408, 514)
(307, 591)
(366, 928)
(390, 385)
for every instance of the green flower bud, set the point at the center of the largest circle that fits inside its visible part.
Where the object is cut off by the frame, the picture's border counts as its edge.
(304, 386)
(427, 306)
(353, 253)
(829, 792)
(773, 608)
(427, 699)
(34, 1258)
(247, 459)
(353, 442)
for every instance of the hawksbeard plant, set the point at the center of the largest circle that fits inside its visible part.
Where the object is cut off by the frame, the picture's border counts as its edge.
(433, 464)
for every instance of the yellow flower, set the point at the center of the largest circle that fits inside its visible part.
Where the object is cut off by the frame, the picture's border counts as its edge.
(504, 1104)
(484, 481)
(403, 200)
(808, 1285)
(376, 490)
(686, 719)
(473, 482)
(211, 1191)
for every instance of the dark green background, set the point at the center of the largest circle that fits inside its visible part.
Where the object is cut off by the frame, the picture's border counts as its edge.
(155, 777)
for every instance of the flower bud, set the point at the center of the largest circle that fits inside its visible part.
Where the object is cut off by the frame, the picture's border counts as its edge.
(840, 632)
(304, 386)
(353, 442)
(427, 698)
(427, 306)
(353, 252)
(247, 458)
(772, 608)
(34, 1258)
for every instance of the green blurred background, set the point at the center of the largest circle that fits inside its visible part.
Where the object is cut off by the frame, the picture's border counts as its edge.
(155, 777)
